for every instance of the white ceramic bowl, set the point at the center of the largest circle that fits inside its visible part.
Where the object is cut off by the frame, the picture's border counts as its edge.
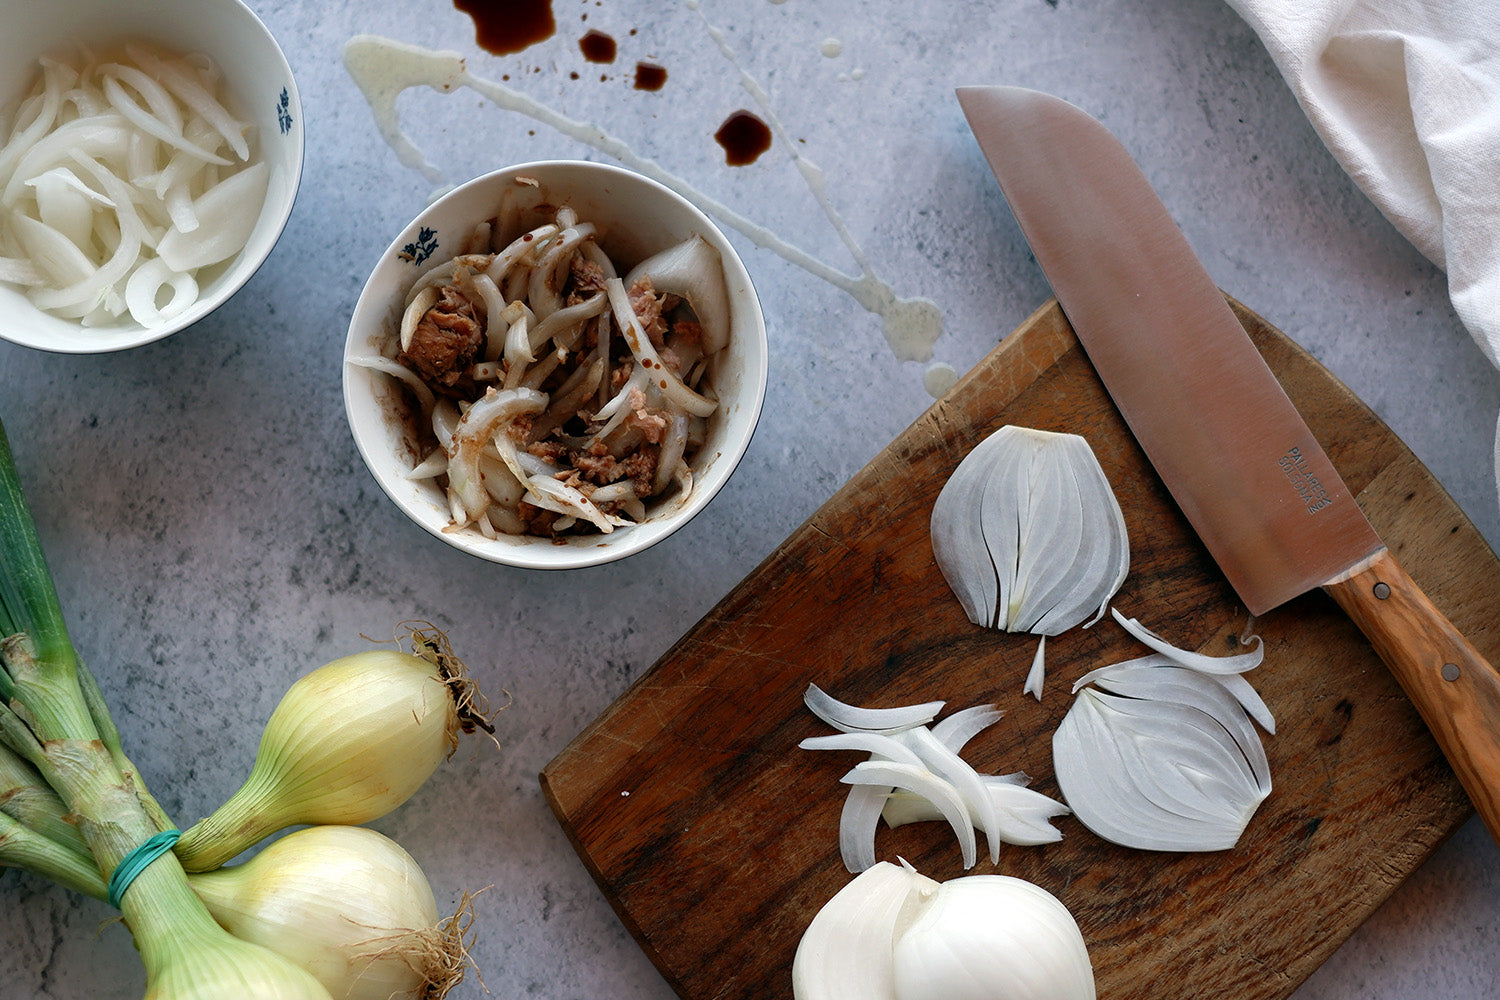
(636, 217)
(260, 87)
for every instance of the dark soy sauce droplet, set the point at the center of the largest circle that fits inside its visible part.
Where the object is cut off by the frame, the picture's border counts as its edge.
(503, 27)
(597, 47)
(744, 137)
(649, 76)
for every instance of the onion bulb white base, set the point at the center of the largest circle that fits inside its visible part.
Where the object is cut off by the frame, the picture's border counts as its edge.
(894, 934)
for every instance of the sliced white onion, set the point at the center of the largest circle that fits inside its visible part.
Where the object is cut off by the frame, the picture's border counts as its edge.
(1028, 533)
(693, 271)
(143, 290)
(517, 352)
(858, 821)
(480, 423)
(380, 363)
(948, 765)
(920, 781)
(1227, 670)
(958, 728)
(413, 313)
(672, 386)
(20, 271)
(1162, 757)
(878, 745)
(195, 96)
(66, 203)
(1001, 806)
(146, 132)
(57, 257)
(226, 213)
(1038, 672)
(847, 718)
(551, 494)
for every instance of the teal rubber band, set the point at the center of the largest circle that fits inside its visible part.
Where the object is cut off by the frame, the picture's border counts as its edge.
(137, 861)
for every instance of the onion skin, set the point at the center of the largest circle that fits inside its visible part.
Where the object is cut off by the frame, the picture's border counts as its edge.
(348, 743)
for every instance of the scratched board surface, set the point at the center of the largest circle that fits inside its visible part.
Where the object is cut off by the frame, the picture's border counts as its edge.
(716, 839)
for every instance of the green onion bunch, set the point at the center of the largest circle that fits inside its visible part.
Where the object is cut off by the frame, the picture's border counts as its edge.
(332, 910)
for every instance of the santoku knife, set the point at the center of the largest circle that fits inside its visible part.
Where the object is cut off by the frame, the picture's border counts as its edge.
(1227, 442)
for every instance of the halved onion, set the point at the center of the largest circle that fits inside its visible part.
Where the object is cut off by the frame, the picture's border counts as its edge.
(894, 934)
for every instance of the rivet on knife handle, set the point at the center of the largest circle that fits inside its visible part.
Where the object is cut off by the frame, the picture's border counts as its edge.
(1454, 688)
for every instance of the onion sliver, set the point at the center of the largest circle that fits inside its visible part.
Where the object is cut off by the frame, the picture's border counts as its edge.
(927, 780)
(1028, 533)
(143, 288)
(945, 763)
(843, 716)
(920, 781)
(672, 386)
(1226, 669)
(960, 727)
(551, 494)
(694, 271)
(876, 744)
(226, 215)
(483, 421)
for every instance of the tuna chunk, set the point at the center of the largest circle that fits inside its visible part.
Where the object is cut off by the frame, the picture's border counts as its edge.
(446, 341)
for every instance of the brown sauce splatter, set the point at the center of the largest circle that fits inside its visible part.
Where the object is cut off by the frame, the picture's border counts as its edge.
(649, 76)
(503, 27)
(597, 47)
(744, 137)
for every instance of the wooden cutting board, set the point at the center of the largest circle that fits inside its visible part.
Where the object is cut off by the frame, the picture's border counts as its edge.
(716, 839)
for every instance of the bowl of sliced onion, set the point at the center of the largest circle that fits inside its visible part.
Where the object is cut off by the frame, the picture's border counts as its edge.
(150, 154)
(555, 365)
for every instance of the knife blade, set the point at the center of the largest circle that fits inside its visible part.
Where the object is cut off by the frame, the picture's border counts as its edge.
(1233, 451)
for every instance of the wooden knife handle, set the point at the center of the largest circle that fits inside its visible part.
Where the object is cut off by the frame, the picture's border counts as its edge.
(1456, 690)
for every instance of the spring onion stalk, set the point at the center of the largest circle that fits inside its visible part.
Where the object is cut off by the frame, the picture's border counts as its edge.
(46, 720)
(23, 847)
(26, 798)
(348, 743)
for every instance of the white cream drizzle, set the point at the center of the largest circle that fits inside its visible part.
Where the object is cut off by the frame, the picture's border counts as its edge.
(939, 378)
(384, 68)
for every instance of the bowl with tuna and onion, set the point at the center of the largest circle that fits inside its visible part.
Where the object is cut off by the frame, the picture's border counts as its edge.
(555, 365)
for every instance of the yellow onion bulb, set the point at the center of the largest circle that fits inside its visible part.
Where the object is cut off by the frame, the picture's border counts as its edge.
(347, 904)
(348, 743)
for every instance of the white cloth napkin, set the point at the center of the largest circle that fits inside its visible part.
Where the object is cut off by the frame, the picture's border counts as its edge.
(1406, 93)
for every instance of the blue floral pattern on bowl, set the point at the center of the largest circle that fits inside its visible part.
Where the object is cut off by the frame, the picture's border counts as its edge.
(284, 111)
(420, 249)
